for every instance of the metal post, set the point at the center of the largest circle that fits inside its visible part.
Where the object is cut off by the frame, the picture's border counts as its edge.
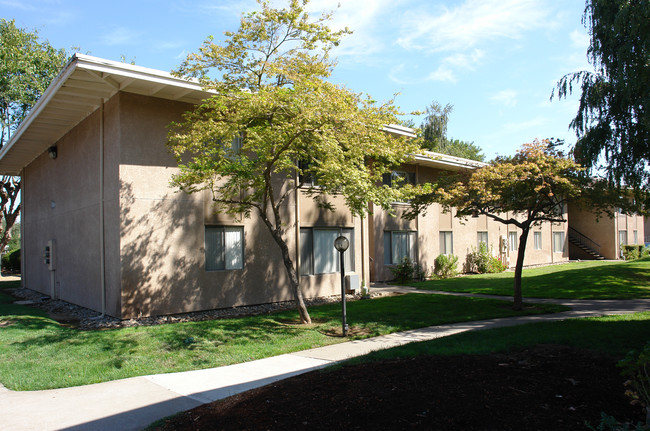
(341, 244)
(344, 312)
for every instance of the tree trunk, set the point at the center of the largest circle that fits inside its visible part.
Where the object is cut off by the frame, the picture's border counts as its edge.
(517, 296)
(295, 285)
(9, 193)
(292, 274)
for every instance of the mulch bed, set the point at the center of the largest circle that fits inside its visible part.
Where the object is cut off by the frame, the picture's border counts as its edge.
(547, 387)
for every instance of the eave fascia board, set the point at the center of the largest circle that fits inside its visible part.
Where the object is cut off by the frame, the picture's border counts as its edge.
(41, 103)
(433, 159)
(399, 130)
(110, 67)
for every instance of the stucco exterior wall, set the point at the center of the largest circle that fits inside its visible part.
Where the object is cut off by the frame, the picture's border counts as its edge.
(162, 242)
(634, 227)
(602, 230)
(62, 203)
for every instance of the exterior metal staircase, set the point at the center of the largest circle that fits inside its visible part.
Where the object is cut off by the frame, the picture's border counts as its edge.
(585, 244)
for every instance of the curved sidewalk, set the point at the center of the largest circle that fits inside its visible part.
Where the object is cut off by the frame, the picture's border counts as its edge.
(133, 403)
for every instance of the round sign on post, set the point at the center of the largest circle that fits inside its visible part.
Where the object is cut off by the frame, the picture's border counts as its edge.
(341, 244)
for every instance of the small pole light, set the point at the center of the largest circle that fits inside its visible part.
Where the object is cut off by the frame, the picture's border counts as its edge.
(341, 244)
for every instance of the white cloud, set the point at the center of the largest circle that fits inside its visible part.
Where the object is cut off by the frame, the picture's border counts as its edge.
(506, 98)
(442, 73)
(120, 36)
(470, 24)
(366, 20)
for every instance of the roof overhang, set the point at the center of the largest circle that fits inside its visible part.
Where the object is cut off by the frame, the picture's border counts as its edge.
(79, 90)
(443, 161)
(86, 82)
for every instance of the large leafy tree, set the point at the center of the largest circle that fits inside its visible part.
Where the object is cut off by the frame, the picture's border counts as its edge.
(27, 66)
(434, 134)
(272, 98)
(613, 118)
(523, 190)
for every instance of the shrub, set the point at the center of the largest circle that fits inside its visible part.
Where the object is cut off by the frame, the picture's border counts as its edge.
(632, 252)
(419, 273)
(636, 368)
(496, 265)
(482, 261)
(11, 262)
(446, 266)
(403, 271)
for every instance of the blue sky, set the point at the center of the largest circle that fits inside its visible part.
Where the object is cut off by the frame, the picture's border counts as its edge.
(496, 61)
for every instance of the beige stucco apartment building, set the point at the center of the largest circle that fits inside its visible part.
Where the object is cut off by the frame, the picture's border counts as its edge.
(103, 229)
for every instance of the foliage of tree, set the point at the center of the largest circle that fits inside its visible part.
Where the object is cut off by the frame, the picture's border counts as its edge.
(613, 118)
(434, 135)
(523, 190)
(289, 123)
(27, 66)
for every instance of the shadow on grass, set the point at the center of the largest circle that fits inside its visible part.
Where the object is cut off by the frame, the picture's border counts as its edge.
(614, 335)
(581, 280)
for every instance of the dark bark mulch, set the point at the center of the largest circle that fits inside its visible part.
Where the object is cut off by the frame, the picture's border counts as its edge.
(542, 388)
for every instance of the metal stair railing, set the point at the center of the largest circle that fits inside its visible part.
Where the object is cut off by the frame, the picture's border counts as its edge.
(584, 240)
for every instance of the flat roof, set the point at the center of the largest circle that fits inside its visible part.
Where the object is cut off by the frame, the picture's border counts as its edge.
(86, 81)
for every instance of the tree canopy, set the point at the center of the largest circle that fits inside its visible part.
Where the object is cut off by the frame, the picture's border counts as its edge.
(523, 190)
(434, 135)
(613, 118)
(27, 66)
(275, 120)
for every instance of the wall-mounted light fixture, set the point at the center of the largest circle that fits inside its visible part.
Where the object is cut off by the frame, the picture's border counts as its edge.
(52, 151)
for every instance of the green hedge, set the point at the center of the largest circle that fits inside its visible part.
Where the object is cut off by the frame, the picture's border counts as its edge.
(11, 262)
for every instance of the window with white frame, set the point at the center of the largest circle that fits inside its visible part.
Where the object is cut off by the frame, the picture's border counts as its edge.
(398, 245)
(558, 242)
(537, 239)
(622, 238)
(481, 237)
(446, 242)
(224, 248)
(317, 252)
(636, 237)
(512, 241)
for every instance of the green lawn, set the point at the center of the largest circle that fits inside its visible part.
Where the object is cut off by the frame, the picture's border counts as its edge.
(38, 353)
(575, 280)
(615, 335)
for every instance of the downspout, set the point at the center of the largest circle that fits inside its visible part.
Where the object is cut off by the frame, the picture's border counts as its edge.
(417, 223)
(102, 270)
(23, 273)
(363, 221)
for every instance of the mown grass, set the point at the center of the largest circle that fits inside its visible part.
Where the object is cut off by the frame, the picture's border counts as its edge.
(615, 335)
(38, 353)
(575, 280)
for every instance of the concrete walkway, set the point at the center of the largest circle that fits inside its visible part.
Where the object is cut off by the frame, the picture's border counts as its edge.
(134, 403)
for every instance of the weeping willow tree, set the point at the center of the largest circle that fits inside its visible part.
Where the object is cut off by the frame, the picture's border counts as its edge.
(613, 119)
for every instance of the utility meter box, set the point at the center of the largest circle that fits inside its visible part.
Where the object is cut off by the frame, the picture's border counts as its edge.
(49, 257)
(352, 284)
